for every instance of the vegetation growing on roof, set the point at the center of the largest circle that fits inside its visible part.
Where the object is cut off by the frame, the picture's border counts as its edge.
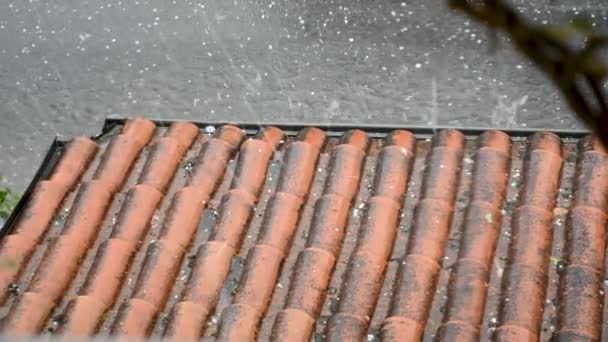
(8, 201)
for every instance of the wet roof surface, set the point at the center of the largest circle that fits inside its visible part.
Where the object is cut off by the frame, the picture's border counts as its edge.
(189, 234)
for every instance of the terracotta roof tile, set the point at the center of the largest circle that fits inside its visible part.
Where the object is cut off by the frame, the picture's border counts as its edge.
(40, 209)
(171, 232)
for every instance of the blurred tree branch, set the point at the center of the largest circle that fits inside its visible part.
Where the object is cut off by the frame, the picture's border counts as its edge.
(567, 53)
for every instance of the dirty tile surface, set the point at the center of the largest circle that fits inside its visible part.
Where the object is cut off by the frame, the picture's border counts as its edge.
(221, 234)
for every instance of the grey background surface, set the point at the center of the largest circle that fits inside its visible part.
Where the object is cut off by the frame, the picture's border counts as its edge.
(65, 65)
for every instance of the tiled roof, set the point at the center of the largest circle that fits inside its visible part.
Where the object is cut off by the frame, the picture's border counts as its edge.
(182, 234)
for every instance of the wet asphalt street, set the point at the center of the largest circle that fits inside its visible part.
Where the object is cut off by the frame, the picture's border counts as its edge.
(65, 65)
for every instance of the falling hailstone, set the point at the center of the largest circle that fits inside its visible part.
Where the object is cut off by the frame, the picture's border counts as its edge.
(210, 129)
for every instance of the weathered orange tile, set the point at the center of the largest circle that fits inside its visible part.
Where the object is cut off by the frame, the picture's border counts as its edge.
(88, 211)
(585, 239)
(317, 303)
(524, 283)
(184, 133)
(482, 226)
(294, 178)
(495, 140)
(28, 316)
(506, 333)
(59, 266)
(293, 325)
(83, 317)
(117, 161)
(591, 180)
(164, 158)
(466, 298)
(378, 230)
(491, 168)
(163, 260)
(208, 273)
(262, 263)
(252, 164)
(183, 217)
(280, 220)
(392, 172)
(433, 217)
(40, 209)
(458, 331)
(135, 215)
(74, 161)
(211, 165)
(188, 321)
(580, 302)
(239, 323)
(356, 138)
(278, 226)
(542, 181)
(361, 287)
(140, 129)
(231, 135)
(525, 290)
(108, 271)
(327, 227)
(403, 139)
(414, 284)
(345, 174)
(467, 284)
(310, 281)
(272, 135)
(234, 214)
(579, 314)
(346, 327)
(135, 319)
(15, 252)
(364, 274)
(450, 139)
(441, 176)
(401, 329)
(312, 136)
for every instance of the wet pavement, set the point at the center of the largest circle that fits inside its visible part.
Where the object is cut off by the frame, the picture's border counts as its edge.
(66, 65)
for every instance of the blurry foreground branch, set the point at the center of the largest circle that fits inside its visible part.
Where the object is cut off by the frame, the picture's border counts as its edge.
(567, 53)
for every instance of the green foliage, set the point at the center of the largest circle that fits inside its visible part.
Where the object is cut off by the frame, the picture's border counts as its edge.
(489, 218)
(8, 201)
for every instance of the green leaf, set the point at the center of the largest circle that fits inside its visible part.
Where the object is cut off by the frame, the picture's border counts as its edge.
(555, 260)
(3, 194)
(489, 218)
(8, 202)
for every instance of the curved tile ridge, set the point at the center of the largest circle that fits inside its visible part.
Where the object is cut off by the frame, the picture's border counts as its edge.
(417, 275)
(164, 257)
(44, 202)
(62, 259)
(84, 313)
(525, 279)
(364, 275)
(212, 263)
(240, 320)
(468, 282)
(579, 315)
